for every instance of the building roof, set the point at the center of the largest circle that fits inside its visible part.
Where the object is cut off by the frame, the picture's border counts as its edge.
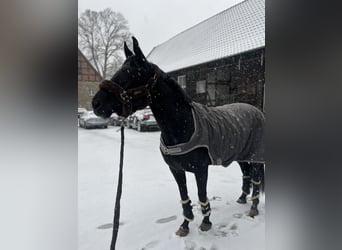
(233, 31)
(86, 71)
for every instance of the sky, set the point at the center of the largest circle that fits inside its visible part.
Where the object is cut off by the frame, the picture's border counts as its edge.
(153, 22)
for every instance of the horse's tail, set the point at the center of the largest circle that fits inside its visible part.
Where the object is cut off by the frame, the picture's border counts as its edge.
(262, 178)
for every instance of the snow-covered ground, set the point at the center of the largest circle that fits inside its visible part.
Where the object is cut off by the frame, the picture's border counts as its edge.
(150, 208)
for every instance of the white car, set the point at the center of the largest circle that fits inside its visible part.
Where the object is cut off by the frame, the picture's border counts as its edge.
(90, 120)
(143, 120)
(115, 120)
(81, 111)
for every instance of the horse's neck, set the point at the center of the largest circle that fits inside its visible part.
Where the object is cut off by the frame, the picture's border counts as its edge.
(172, 112)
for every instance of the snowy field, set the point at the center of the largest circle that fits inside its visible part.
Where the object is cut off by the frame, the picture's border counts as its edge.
(150, 208)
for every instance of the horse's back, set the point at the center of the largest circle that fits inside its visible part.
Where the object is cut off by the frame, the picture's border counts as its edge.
(233, 132)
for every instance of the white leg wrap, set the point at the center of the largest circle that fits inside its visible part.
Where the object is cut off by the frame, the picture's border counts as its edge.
(204, 203)
(254, 197)
(184, 202)
(188, 219)
(256, 182)
(207, 213)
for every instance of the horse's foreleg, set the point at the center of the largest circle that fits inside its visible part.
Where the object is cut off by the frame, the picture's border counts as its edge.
(256, 181)
(201, 180)
(185, 201)
(246, 181)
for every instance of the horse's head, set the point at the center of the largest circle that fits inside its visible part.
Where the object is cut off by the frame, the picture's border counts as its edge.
(129, 88)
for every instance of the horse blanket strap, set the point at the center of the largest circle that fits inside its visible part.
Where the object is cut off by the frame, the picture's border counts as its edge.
(127, 96)
(233, 132)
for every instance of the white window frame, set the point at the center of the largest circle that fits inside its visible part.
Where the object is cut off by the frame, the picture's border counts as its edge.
(182, 81)
(201, 87)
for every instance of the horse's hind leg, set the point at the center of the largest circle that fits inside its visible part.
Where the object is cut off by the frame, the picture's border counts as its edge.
(185, 201)
(257, 173)
(201, 180)
(246, 181)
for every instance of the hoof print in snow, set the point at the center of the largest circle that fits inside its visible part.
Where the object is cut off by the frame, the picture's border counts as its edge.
(189, 245)
(224, 230)
(105, 226)
(220, 230)
(213, 247)
(108, 225)
(215, 198)
(166, 220)
(151, 245)
(233, 227)
(220, 233)
(238, 215)
(233, 230)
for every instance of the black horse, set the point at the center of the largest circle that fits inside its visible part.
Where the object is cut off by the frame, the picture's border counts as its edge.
(139, 83)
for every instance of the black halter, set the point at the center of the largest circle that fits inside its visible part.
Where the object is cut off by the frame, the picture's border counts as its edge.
(127, 96)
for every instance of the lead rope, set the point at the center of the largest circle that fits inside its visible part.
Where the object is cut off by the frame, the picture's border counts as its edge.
(119, 191)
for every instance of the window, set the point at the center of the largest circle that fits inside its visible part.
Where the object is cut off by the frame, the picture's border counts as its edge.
(201, 87)
(182, 81)
(211, 77)
(223, 74)
(211, 96)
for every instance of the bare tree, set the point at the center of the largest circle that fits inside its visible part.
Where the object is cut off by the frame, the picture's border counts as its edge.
(101, 36)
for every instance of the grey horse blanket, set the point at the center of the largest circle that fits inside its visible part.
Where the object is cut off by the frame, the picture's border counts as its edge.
(233, 132)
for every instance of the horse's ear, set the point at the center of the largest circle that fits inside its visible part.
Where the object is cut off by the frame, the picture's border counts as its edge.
(128, 52)
(137, 50)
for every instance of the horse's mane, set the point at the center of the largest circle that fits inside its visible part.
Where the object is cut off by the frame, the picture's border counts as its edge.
(178, 89)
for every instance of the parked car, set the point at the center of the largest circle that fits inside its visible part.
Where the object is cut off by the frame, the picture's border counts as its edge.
(90, 120)
(115, 120)
(143, 120)
(80, 112)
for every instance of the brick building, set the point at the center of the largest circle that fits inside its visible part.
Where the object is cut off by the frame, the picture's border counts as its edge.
(222, 59)
(88, 81)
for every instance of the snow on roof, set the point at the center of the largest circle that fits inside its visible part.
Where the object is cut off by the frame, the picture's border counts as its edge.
(235, 30)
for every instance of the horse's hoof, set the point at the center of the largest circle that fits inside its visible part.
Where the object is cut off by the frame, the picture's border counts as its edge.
(182, 232)
(253, 212)
(205, 226)
(241, 201)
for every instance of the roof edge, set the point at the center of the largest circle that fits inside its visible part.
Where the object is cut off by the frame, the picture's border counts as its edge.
(233, 6)
(194, 65)
(89, 63)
